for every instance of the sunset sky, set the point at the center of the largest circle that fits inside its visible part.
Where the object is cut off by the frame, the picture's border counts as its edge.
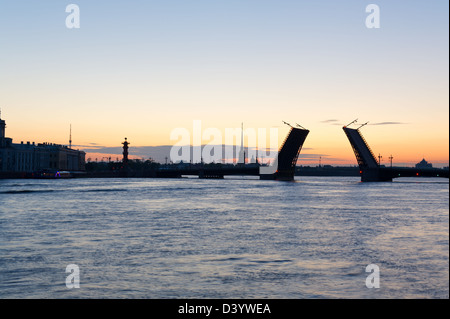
(140, 69)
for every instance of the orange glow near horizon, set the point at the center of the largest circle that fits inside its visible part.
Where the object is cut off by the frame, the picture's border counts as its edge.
(325, 143)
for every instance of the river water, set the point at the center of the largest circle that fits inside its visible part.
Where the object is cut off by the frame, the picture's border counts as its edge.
(233, 238)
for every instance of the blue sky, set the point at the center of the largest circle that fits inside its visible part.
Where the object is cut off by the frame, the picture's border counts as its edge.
(143, 68)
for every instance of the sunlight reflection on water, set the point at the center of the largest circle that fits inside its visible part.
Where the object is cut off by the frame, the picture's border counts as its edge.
(232, 238)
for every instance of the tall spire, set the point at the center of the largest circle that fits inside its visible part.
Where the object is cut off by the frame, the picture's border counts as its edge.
(241, 156)
(70, 137)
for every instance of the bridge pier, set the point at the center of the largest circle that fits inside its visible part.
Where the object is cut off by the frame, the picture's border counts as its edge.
(267, 177)
(278, 176)
(375, 175)
(210, 175)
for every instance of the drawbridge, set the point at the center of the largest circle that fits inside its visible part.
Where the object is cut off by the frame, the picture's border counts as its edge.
(283, 167)
(372, 171)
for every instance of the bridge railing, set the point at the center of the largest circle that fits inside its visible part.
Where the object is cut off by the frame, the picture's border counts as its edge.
(367, 144)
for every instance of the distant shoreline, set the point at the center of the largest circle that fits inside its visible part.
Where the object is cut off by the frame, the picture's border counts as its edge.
(318, 171)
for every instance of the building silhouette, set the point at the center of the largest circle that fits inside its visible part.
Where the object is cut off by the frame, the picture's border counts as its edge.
(32, 158)
(424, 164)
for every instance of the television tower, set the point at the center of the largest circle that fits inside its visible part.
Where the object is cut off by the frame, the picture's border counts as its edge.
(70, 137)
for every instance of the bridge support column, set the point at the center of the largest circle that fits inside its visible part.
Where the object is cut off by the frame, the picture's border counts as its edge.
(267, 177)
(375, 175)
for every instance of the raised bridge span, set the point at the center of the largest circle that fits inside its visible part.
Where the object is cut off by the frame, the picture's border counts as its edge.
(283, 167)
(372, 171)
